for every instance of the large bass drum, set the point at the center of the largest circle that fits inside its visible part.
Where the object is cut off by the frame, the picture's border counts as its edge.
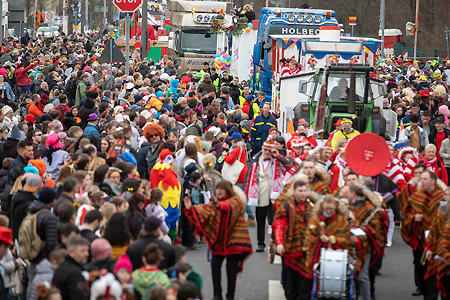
(333, 274)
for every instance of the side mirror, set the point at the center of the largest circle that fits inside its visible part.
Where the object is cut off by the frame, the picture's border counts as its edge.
(256, 53)
(302, 87)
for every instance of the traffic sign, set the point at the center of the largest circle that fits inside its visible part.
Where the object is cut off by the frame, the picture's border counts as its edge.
(49, 16)
(352, 21)
(127, 5)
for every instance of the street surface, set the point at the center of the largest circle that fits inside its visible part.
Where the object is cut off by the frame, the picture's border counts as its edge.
(261, 280)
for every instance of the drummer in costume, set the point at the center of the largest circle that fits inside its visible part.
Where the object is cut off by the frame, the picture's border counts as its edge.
(319, 178)
(264, 185)
(422, 206)
(367, 210)
(290, 225)
(327, 228)
(346, 132)
(410, 187)
(436, 244)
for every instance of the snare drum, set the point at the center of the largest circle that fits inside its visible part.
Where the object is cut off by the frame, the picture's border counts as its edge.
(333, 273)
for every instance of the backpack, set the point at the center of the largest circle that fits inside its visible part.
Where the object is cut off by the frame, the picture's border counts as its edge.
(30, 244)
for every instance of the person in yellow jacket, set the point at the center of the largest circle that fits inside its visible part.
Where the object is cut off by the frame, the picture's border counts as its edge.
(347, 132)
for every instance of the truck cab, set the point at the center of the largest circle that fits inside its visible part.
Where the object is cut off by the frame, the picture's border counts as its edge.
(191, 42)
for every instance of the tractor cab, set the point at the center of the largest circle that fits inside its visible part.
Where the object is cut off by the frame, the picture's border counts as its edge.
(348, 95)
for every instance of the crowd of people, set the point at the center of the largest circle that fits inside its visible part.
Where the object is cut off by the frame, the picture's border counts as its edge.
(107, 179)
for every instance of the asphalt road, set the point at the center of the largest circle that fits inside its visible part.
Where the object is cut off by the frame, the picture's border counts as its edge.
(261, 280)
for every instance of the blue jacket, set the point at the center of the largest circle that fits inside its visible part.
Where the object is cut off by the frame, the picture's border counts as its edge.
(9, 92)
(260, 129)
(406, 122)
(91, 130)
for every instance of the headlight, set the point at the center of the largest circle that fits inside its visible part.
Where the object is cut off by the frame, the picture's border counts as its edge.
(317, 19)
(291, 18)
(213, 18)
(300, 19)
(207, 18)
(199, 18)
(309, 19)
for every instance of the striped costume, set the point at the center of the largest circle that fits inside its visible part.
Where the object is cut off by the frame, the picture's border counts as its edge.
(336, 226)
(424, 203)
(290, 225)
(432, 242)
(224, 228)
(443, 250)
(376, 228)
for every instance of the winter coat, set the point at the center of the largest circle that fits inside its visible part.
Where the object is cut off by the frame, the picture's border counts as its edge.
(20, 203)
(260, 130)
(18, 162)
(70, 281)
(109, 82)
(85, 111)
(97, 265)
(81, 90)
(34, 110)
(206, 86)
(88, 234)
(58, 159)
(22, 76)
(236, 153)
(3, 179)
(8, 149)
(44, 273)
(152, 156)
(46, 229)
(136, 250)
(142, 166)
(9, 264)
(234, 92)
(6, 199)
(91, 130)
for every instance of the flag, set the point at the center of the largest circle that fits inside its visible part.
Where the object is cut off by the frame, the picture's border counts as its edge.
(290, 128)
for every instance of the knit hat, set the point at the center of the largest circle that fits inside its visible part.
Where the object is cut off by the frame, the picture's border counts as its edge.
(6, 109)
(101, 249)
(33, 183)
(195, 278)
(57, 126)
(269, 144)
(49, 107)
(53, 141)
(47, 195)
(116, 109)
(443, 110)
(31, 169)
(299, 141)
(123, 262)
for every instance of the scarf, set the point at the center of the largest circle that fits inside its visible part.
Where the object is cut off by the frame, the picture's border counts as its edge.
(430, 163)
(274, 177)
(49, 154)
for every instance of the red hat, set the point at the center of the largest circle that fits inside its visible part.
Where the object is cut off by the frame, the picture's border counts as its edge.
(302, 122)
(398, 61)
(327, 146)
(220, 121)
(424, 93)
(166, 156)
(6, 235)
(338, 122)
(269, 144)
(367, 154)
(94, 88)
(299, 141)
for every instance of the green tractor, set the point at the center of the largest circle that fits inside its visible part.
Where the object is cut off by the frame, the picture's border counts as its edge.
(349, 93)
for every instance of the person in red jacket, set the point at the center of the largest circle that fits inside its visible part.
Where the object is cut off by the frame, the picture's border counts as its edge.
(433, 164)
(332, 168)
(23, 82)
(237, 151)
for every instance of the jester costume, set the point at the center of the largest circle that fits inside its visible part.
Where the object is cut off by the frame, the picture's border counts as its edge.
(413, 233)
(163, 176)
